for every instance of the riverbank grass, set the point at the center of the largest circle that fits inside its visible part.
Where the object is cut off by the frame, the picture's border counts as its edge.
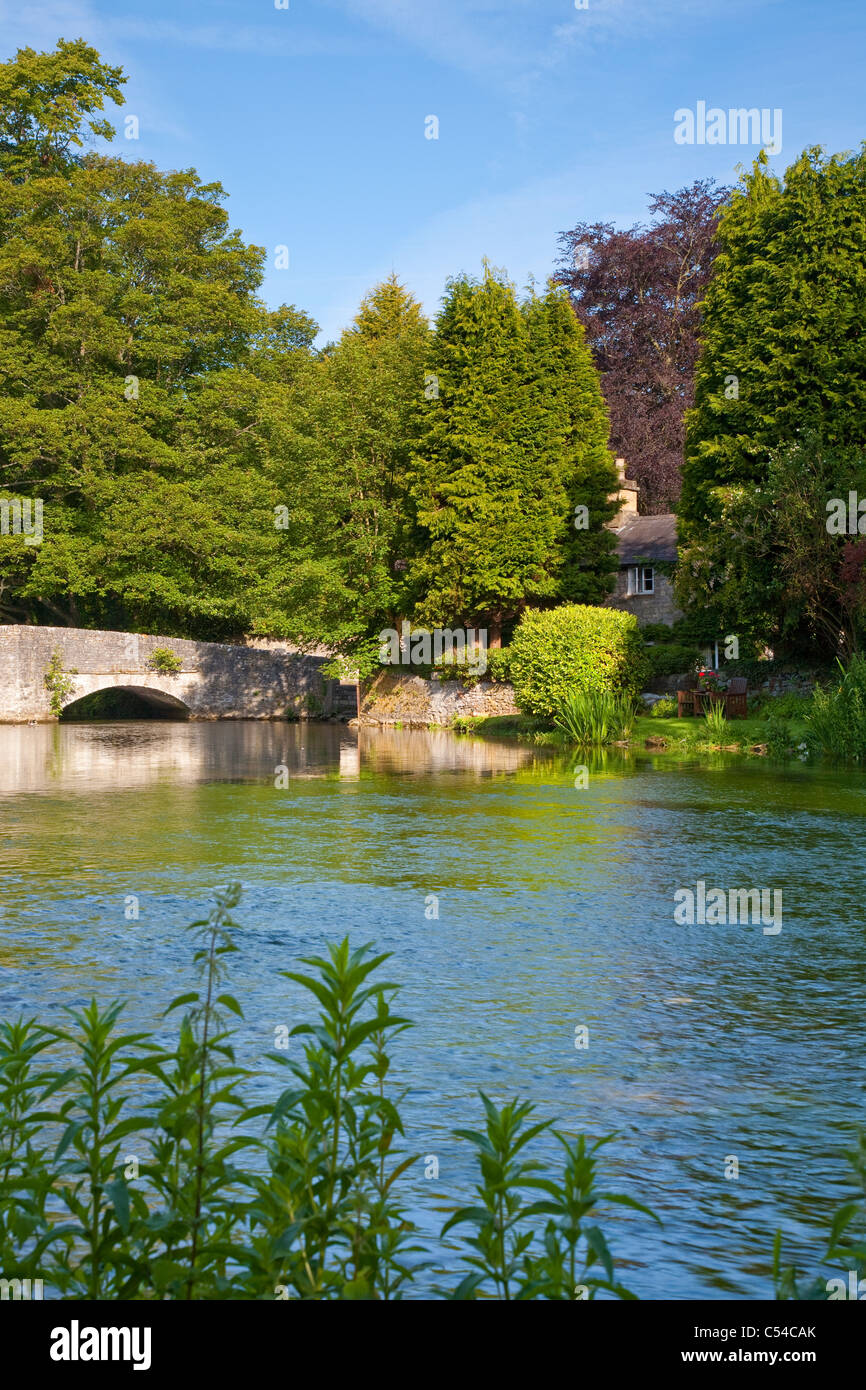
(740, 735)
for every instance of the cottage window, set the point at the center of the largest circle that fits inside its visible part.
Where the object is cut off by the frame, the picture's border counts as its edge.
(641, 580)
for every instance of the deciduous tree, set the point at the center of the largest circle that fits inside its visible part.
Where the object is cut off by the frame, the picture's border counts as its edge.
(637, 293)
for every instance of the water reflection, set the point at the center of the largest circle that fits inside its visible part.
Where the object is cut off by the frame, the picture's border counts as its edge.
(51, 758)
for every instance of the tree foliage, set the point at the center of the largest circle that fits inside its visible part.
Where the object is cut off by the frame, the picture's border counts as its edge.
(771, 566)
(515, 438)
(637, 293)
(206, 472)
(140, 382)
(353, 415)
(45, 100)
(782, 363)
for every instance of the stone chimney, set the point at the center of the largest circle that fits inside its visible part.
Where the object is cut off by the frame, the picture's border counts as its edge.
(627, 495)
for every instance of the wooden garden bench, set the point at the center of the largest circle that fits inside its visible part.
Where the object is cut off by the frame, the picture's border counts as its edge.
(736, 697)
(699, 701)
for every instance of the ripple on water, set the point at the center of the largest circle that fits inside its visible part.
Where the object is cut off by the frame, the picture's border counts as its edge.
(555, 911)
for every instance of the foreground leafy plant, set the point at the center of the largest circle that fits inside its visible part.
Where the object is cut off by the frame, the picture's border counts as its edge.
(97, 1262)
(192, 1149)
(26, 1232)
(318, 1215)
(327, 1222)
(509, 1261)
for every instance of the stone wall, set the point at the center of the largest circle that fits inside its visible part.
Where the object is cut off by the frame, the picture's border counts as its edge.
(395, 698)
(658, 607)
(217, 680)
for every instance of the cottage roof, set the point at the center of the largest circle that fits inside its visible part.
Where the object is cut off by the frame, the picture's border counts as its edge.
(647, 538)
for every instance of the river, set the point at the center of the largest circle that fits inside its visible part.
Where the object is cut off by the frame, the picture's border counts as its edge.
(555, 907)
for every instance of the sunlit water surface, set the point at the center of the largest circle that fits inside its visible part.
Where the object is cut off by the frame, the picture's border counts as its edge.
(555, 911)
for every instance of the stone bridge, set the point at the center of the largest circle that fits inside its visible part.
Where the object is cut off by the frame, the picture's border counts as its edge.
(216, 680)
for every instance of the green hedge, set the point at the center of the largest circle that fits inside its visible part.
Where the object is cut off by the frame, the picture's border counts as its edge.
(575, 647)
(671, 659)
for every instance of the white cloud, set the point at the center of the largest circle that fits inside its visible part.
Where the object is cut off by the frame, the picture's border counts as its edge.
(279, 34)
(519, 41)
(40, 25)
(276, 38)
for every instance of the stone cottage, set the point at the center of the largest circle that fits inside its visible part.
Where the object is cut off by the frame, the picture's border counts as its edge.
(640, 587)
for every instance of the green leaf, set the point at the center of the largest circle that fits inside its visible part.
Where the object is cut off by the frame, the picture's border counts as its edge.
(229, 1002)
(119, 1194)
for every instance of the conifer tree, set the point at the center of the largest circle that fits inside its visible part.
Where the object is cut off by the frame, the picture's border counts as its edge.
(567, 388)
(389, 311)
(508, 453)
(782, 361)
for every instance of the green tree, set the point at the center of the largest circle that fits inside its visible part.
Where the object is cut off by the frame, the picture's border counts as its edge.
(123, 295)
(776, 559)
(515, 440)
(782, 359)
(567, 388)
(143, 385)
(352, 418)
(45, 99)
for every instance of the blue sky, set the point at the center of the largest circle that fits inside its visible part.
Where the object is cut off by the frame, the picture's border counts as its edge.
(313, 117)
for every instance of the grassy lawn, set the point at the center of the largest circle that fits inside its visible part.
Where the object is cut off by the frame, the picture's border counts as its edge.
(749, 731)
(746, 733)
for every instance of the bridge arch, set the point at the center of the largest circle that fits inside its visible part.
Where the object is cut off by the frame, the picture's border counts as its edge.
(211, 680)
(125, 701)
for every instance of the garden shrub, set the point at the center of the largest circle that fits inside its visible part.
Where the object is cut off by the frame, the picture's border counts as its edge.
(788, 706)
(575, 647)
(663, 709)
(467, 671)
(499, 664)
(777, 737)
(670, 659)
(685, 632)
(657, 632)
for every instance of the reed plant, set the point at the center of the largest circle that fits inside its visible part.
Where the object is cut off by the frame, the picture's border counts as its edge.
(716, 724)
(593, 718)
(836, 722)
